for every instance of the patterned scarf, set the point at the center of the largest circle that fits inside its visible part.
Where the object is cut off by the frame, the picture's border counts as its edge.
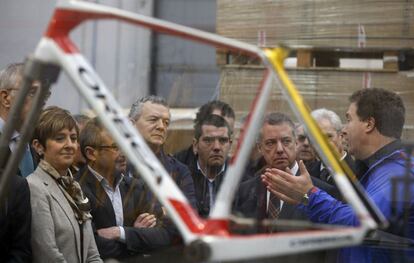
(71, 190)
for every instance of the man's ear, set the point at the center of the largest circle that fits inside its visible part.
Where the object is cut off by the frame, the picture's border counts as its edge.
(38, 147)
(90, 153)
(259, 147)
(369, 124)
(5, 98)
(195, 146)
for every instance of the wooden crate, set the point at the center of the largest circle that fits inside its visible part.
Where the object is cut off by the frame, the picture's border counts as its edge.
(329, 58)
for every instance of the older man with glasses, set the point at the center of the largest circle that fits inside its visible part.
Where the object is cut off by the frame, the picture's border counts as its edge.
(126, 221)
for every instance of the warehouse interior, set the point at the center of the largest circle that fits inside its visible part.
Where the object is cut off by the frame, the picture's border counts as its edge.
(334, 49)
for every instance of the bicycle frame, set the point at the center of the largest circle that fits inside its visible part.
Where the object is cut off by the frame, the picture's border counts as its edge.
(207, 239)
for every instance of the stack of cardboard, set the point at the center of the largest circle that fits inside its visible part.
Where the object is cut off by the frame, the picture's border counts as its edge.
(329, 89)
(334, 23)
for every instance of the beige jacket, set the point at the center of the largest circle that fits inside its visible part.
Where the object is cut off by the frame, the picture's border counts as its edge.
(55, 230)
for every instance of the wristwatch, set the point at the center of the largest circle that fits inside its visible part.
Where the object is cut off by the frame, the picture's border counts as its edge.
(305, 197)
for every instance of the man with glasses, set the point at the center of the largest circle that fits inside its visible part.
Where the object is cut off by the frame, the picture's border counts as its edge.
(211, 144)
(125, 220)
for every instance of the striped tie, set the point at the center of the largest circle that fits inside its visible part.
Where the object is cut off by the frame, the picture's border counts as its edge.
(273, 209)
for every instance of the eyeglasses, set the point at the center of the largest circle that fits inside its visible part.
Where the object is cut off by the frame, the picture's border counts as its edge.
(210, 140)
(111, 147)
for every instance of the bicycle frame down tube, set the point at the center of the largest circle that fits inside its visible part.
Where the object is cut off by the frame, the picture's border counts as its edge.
(56, 48)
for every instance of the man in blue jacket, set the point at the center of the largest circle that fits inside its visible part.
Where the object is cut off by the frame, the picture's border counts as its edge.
(375, 120)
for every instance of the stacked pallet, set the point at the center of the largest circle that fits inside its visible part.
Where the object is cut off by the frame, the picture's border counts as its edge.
(329, 89)
(324, 23)
(321, 33)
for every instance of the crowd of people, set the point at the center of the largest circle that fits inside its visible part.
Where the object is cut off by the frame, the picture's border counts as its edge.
(76, 198)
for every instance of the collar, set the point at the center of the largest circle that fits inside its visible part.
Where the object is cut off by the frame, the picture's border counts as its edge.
(295, 168)
(383, 152)
(202, 172)
(118, 178)
(15, 133)
(341, 159)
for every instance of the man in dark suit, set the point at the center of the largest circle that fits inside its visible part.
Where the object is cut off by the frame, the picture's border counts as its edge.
(125, 222)
(277, 143)
(331, 126)
(151, 117)
(15, 211)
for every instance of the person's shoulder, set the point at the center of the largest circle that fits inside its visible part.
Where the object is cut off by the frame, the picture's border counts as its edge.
(83, 175)
(184, 154)
(394, 161)
(176, 163)
(36, 177)
(251, 182)
(133, 184)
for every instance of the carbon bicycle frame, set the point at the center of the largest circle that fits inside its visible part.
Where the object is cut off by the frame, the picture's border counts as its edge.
(206, 239)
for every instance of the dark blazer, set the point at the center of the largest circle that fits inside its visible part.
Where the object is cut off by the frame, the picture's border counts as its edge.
(314, 168)
(178, 171)
(135, 201)
(187, 157)
(251, 199)
(15, 223)
(251, 202)
(181, 175)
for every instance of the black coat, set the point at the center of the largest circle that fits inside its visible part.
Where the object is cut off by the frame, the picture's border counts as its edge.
(135, 201)
(202, 190)
(251, 199)
(15, 221)
(178, 171)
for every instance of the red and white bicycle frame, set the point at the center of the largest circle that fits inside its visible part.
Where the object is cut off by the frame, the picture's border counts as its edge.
(208, 239)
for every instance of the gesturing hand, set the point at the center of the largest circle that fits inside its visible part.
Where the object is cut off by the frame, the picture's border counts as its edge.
(286, 186)
(145, 220)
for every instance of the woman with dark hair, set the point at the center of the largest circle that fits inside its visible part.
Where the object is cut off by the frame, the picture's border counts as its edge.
(61, 222)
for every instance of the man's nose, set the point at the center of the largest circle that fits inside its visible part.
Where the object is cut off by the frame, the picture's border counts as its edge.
(161, 124)
(216, 144)
(279, 147)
